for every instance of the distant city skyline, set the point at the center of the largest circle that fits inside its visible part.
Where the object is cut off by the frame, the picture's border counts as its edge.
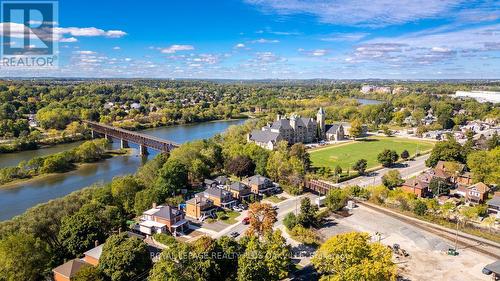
(277, 39)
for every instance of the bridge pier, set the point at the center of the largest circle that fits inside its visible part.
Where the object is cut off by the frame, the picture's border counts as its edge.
(143, 150)
(124, 144)
(109, 138)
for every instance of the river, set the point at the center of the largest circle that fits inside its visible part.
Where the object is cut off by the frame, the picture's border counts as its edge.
(368, 101)
(20, 197)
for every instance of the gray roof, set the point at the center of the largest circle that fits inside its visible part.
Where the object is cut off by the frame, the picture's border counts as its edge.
(164, 211)
(238, 186)
(222, 180)
(94, 252)
(333, 128)
(263, 136)
(494, 202)
(217, 192)
(258, 179)
(281, 124)
(307, 121)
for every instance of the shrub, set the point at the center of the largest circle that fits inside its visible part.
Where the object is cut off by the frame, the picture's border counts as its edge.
(420, 208)
(290, 221)
(305, 235)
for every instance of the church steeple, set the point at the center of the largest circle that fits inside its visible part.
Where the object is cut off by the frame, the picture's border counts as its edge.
(320, 119)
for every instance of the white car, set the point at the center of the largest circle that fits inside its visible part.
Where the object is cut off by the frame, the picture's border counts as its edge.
(237, 209)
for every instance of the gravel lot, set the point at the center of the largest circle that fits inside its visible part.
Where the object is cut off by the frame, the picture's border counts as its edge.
(428, 259)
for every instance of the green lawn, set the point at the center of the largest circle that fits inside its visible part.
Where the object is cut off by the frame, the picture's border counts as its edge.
(347, 154)
(228, 216)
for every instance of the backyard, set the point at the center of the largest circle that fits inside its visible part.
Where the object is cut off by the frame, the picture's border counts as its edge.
(346, 154)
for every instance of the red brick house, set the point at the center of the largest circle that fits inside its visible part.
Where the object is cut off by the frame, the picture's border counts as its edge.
(477, 193)
(416, 186)
(68, 270)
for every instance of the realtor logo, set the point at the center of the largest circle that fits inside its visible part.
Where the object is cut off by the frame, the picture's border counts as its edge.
(28, 34)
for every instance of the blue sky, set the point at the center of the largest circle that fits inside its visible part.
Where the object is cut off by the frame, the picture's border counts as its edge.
(248, 39)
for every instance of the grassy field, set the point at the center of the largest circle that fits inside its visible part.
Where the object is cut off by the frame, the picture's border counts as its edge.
(347, 154)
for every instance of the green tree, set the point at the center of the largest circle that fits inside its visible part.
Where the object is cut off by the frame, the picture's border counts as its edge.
(299, 151)
(290, 221)
(336, 199)
(89, 273)
(420, 208)
(494, 141)
(392, 179)
(338, 170)
(124, 258)
(351, 256)
(387, 157)
(360, 166)
(240, 166)
(448, 150)
(144, 199)
(172, 177)
(23, 257)
(123, 190)
(307, 216)
(405, 155)
(439, 186)
(356, 129)
(485, 166)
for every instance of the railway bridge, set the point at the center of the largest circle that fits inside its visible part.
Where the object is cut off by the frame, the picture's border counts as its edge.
(125, 136)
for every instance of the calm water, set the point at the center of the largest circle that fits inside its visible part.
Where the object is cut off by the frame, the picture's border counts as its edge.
(16, 200)
(368, 101)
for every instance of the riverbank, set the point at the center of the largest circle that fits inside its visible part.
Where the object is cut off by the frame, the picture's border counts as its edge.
(78, 166)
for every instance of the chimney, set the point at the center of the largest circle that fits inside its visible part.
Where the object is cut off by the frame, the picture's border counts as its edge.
(96, 243)
(154, 205)
(278, 117)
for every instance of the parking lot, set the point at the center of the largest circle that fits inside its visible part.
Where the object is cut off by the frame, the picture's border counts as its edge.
(427, 252)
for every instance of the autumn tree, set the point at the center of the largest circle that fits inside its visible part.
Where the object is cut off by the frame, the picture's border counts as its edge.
(240, 166)
(262, 216)
(351, 257)
(356, 129)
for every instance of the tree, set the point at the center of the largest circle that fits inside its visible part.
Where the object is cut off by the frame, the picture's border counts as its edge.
(307, 215)
(172, 177)
(386, 130)
(392, 179)
(356, 129)
(405, 155)
(240, 166)
(23, 257)
(290, 220)
(439, 186)
(360, 166)
(485, 166)
(387, 157)
(262, 216)
(124, 258)
(144, 199)
(123, 190)
(338, 170)
(299, 151)
(351, 256)
(494, 141)
(420, 208)
(265, 260)
(89, 273)
(448, 150)
(336, 199)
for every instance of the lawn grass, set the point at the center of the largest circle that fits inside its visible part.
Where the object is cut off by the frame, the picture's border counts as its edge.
(229, 217)
(275, 199)
(347, 154)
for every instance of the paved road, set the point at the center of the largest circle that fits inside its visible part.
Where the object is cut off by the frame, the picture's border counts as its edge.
(375, 178)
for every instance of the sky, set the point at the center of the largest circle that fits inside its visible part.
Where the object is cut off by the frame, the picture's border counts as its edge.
(275, 39)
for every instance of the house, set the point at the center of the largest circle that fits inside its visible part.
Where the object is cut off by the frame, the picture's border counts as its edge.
(494, 206)
(163, 219)
(259, 184)
(477, 193)
(222, 180)
(209, 183)
(451, 171)
(239, 191)
(429, 119)
(219, 197)
(335, 132)
(68, 270)
(200, 207)
(416, 186)
(93, 255)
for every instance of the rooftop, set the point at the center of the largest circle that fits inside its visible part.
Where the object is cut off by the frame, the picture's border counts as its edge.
(70, 268)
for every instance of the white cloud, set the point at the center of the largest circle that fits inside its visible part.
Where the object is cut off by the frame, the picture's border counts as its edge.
(116, 48)
(361, 12)
(314, 53)
(263, 41)
(89, 32)
(68, 40)
(176, 48)
(85, 52)
(343, 37)
(239, 45)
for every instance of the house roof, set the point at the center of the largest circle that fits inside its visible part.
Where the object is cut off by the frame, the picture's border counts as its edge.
(264, 136)
(165, 212)
(222, 180)
(281, 124)
(450, 167)
(94, 252)
(238, 186)
(481, 187)
(333, 128)
(258, 180)
(416, 183)
(70, 268)
(217, 192)
(494, 202)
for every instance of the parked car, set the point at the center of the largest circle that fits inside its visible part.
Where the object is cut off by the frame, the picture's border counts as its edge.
(237, 209)
(234, 234)
(246, 221)
(243, 206)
